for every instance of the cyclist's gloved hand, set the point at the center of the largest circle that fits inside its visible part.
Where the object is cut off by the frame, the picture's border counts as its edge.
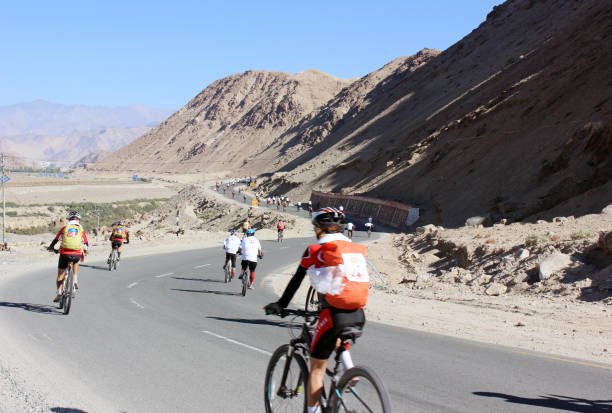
(273, 308)
(50, 249)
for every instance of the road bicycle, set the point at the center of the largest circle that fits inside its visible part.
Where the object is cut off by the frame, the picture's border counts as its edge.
(279, 237)
(244, 275)
(67, 290)
(65, 302)
(350, 388)
(369, 230)
(113, 260)
(228, 269)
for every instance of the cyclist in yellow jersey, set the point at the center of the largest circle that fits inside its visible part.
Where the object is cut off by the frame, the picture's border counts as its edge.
(73, 245)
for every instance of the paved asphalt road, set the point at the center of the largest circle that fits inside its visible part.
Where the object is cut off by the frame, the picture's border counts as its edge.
(165, 334)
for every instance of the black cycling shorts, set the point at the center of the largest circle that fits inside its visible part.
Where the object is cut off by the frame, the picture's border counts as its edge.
(231, 257)
(251, 264)
(328, 328)
(116, 244)
(62, 264)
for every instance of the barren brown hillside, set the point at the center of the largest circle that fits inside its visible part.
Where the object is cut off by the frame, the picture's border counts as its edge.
(314, 128)
(228, 121)
(514, 120)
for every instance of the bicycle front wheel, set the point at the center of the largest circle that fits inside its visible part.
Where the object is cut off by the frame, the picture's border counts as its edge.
(359, 390)
(286, 382)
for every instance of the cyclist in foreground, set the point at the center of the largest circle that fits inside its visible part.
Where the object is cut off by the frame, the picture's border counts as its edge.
(119, 235)
(338, 271)
(73, 243)
(251, 251)
(231, 245)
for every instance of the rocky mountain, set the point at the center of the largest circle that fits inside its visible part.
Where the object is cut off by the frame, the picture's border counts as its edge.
(310, 132)
(47, 118)
(227, 122)
(46, 131)
(66, 149)
(514, 120)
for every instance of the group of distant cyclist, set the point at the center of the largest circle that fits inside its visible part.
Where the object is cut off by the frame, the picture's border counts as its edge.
(248, 247)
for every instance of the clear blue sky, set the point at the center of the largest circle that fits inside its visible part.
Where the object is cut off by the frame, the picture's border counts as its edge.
(162, 53)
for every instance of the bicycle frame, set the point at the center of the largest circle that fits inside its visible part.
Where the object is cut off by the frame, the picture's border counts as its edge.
(342, 360)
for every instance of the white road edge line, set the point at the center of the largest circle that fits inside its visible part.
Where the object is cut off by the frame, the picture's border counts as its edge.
(164, 275)
(132, 284)
(200, 266)
(136, 304)
(237, 342)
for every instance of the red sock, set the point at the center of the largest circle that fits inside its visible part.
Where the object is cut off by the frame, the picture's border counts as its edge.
(252, 277)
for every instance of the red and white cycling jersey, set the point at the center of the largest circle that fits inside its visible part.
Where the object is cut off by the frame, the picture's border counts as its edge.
(338, 268)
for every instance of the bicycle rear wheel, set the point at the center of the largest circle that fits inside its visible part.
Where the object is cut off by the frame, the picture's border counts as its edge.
(245, 283)
(289, 395)
(68, 290)
(110, 260)
(359, 390)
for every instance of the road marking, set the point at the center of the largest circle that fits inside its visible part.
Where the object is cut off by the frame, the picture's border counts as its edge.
(132, 284)
(164, 275)
(136, 304)
(200, 266)
(237, 342)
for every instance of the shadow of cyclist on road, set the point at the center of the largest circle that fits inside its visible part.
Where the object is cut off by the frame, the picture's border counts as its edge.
(258, 321)
(35, 308)
(554, 401)
(206, 291)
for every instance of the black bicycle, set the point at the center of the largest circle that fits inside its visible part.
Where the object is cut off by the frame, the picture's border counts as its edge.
(113, 260)
(227, 268)
(228, 271)
(65, 302)
(244, 275)
(349, 389)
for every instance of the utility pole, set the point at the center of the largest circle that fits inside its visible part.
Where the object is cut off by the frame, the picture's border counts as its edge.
(4, 180)
(97, 211)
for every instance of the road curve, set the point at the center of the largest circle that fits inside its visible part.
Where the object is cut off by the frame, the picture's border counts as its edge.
(164, 333)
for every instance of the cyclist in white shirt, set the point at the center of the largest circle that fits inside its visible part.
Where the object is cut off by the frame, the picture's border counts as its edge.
(349, 230)
(231, 246)
(251, 251)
